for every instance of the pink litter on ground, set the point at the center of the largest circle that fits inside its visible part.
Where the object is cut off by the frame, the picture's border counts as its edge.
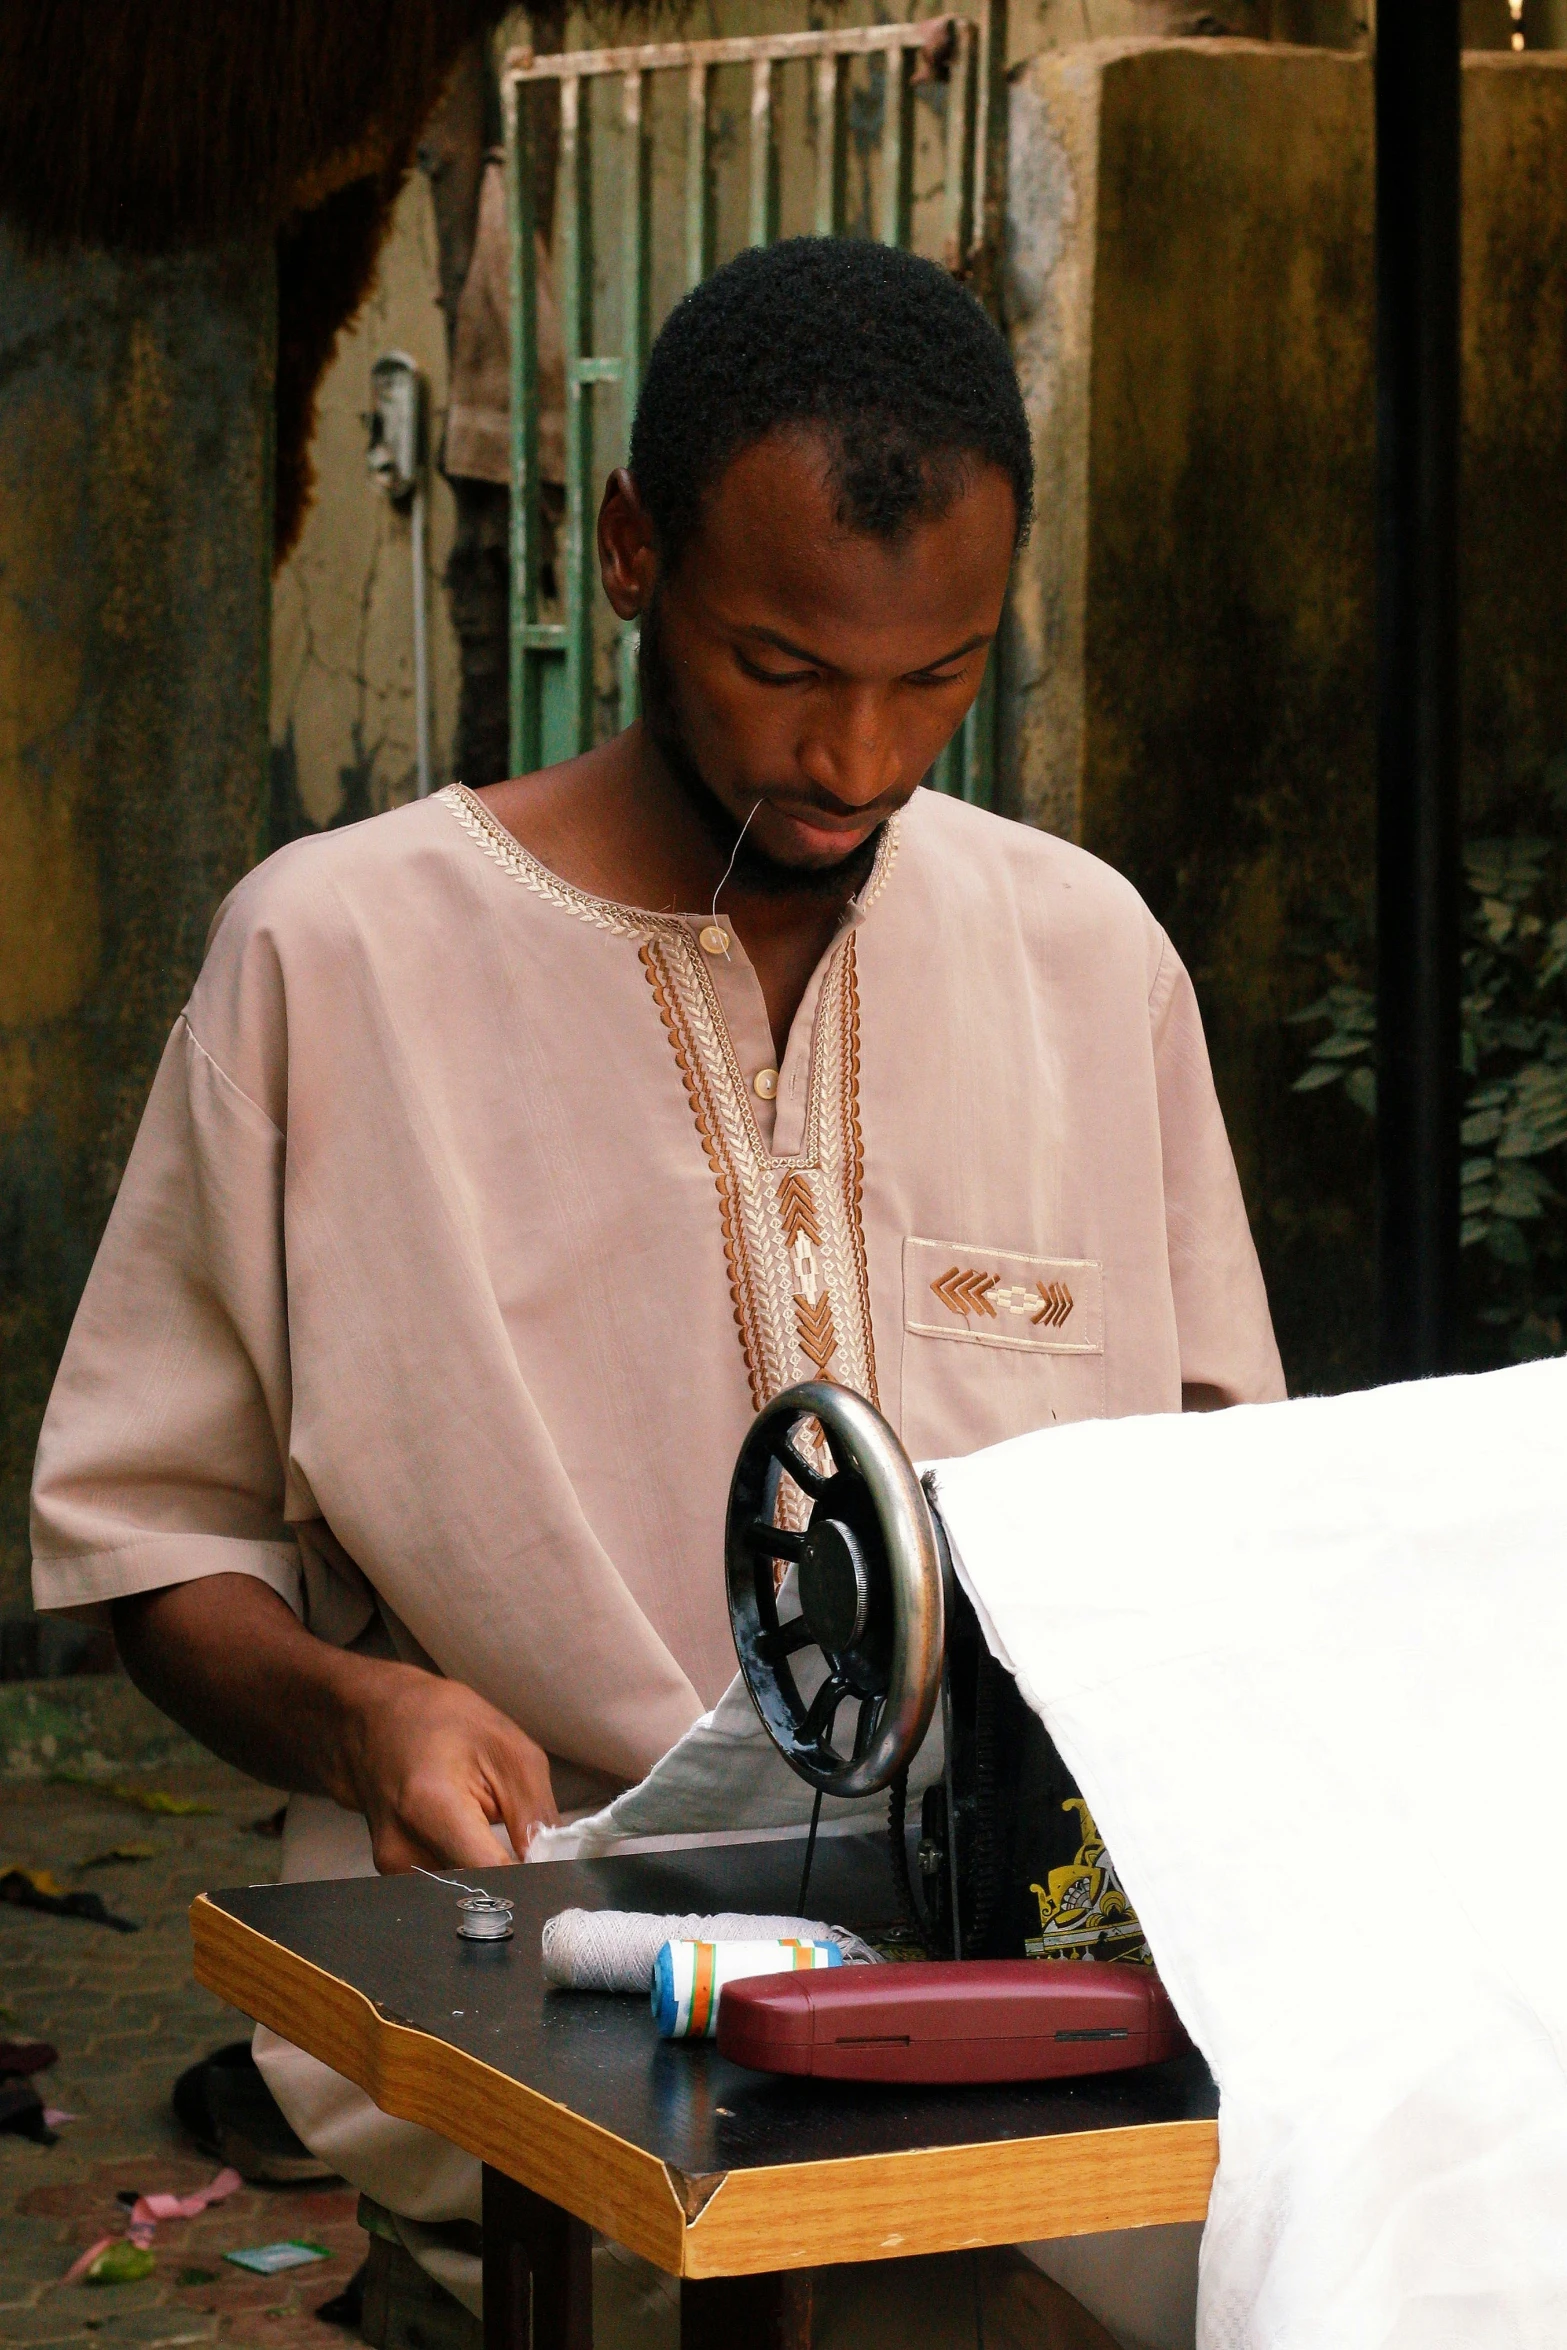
(79, 2267)
(148, 2210)
(55, 2117)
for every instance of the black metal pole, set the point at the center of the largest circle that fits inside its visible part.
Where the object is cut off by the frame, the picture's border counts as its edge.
(1418, 1085)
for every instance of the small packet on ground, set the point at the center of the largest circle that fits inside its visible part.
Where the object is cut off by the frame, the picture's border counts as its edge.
(268, 2260)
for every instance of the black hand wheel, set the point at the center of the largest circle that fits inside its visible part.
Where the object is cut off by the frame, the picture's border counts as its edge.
(870, 1583)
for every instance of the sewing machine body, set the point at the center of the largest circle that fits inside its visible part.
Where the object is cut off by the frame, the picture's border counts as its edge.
(823, 1486)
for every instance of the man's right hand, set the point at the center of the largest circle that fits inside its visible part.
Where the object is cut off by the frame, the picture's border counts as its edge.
(434, 1768)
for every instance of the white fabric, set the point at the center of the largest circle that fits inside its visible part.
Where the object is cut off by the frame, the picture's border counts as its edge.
(725, 1773)
(1140, 2283)
(1308, 1662)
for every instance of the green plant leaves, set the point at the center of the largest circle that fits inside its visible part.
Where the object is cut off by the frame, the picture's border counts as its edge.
(1514, 1053)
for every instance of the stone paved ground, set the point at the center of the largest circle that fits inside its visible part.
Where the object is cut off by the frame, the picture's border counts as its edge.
(127, 2017)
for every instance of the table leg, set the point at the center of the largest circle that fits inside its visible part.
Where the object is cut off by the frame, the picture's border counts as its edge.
(770, 2312)
(538, 2271)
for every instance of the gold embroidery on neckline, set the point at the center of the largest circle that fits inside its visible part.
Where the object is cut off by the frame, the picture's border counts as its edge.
(503, 848)
(506, 850)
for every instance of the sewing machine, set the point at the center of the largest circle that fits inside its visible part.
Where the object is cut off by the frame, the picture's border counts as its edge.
(873, 1619)
(713, 2170)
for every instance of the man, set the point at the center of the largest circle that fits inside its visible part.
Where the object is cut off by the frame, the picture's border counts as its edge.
(513, 1150)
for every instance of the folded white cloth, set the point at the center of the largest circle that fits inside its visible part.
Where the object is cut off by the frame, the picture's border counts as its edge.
(614, 1949)
(725, 1773)
(1308, 1663)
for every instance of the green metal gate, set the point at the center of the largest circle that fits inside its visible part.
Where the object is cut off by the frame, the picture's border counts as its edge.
(957, 61)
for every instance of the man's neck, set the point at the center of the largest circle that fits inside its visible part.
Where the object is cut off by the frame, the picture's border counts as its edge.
(623, 823)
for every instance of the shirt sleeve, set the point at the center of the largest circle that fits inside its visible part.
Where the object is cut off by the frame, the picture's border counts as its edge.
(164, 1448)
(1221, 1307)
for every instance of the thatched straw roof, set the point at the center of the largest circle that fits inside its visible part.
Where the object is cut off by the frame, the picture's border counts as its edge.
(148, 125)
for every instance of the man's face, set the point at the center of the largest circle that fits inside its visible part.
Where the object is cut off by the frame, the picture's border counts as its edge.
(806, 671)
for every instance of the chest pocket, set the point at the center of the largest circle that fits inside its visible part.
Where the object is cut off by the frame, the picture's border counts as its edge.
(997, 1342)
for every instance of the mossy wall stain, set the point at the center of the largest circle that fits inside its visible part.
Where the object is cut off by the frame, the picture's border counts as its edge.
(1228, 692)
(1220, 446)
(134, 419)
(1514, 545)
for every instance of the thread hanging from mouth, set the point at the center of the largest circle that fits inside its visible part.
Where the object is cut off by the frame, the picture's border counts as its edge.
(729, 868)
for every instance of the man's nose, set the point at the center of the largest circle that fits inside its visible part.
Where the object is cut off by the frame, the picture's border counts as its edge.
(852, 754)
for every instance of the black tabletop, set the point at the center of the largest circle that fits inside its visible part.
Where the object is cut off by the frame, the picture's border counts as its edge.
(394, 1939)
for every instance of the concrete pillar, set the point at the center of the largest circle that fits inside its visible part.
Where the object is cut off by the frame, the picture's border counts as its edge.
(1190, 287)
(135, 530)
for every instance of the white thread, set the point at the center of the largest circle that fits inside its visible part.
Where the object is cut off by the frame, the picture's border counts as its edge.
(498, 1899)
(728, 869)
(614, 1949)
(482, 1917)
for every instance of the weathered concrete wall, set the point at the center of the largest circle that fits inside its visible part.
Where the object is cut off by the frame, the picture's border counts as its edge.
(342, 716)
(1033, 25)
(134, 420)
(1191, 288)
(1515, 421)
(1488, 24)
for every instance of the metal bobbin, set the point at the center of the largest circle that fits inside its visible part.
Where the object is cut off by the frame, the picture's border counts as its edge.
(483, 1917)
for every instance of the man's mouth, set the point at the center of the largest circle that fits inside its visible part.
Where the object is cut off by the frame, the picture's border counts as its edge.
(830, 824)
(801, 846)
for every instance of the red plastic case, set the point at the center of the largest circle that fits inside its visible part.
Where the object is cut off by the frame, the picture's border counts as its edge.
(981, 2020)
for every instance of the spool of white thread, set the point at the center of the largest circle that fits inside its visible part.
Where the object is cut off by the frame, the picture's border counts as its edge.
(689, 1978)
(614, 1949)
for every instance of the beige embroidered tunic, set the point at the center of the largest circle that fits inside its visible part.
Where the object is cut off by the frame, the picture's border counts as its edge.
(469, 1222)
(465, 1231)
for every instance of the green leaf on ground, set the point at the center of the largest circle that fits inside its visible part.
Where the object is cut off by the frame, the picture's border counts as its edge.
(120, 2264)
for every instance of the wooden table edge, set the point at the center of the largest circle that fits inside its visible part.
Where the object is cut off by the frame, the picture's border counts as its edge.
(953, 2198)
(801, 2215)
(619, 2189)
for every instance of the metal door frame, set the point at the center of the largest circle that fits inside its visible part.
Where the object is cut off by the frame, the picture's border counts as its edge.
(551, 662)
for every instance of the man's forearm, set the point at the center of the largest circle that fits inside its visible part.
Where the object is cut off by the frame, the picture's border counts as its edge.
(434, 1768)
(229, 1661)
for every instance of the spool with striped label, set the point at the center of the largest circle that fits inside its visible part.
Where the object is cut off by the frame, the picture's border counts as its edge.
(688, 1978)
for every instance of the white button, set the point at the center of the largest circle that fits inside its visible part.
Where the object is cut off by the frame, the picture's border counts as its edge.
(713, 939)
(765, 1083)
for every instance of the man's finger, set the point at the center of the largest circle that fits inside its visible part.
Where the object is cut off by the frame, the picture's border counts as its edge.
(447, 1829)
(474, 1845)
(521, 1816)
(524, 1799)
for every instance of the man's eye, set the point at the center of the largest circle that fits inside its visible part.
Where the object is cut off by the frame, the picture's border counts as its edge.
(937, 677)
(774, 676)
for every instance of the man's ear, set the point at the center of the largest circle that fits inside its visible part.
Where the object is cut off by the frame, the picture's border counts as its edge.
(628, 563)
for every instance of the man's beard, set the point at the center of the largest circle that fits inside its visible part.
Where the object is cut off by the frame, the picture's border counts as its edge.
(754, 869)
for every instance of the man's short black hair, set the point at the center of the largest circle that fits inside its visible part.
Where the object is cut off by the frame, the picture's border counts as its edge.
(885, 353)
